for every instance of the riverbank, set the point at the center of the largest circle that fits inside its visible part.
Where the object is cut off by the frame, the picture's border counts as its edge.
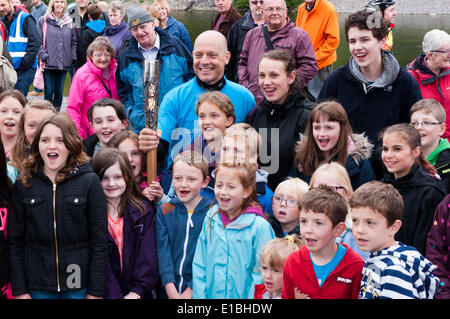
(433, 7)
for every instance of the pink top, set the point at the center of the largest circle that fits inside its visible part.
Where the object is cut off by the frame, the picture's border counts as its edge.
(115, 228)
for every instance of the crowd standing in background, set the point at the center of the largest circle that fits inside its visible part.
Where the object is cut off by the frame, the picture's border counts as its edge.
(277, 176)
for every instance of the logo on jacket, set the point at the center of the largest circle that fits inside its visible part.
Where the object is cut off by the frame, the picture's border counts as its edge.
(345, 281)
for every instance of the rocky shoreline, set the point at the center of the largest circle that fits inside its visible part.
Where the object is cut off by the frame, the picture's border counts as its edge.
(441, 7)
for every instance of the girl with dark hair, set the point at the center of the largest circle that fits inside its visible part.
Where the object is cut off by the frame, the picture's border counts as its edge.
(58, 233)
(133, 263)
(284, 110)
(328, 138)
(415, 179)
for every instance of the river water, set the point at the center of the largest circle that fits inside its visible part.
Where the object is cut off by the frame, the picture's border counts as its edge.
(408, 32)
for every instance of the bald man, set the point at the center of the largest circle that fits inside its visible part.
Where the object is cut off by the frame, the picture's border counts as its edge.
(177, 119)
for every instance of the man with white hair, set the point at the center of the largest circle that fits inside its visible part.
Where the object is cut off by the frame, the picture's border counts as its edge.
(431, 69)
(281, 33)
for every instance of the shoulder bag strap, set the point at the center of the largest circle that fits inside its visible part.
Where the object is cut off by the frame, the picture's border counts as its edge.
(104, 85)
(269, 44)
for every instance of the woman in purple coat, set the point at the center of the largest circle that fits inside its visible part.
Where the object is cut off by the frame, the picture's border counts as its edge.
(117, 32)
(133, 263)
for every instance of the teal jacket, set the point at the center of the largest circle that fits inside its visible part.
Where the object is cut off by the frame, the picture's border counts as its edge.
(175, 69)
(226, 260)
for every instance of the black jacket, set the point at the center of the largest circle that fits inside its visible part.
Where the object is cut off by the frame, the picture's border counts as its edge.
(89, 144)
(235, 42)
(421, 194)
(276, 226)
(59, 229)
(4, 272)
(291, 119)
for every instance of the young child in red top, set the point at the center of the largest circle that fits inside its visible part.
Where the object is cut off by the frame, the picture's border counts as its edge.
(272, 257)
(322, 269)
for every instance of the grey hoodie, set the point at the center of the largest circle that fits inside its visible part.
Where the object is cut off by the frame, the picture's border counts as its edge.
(390, 73)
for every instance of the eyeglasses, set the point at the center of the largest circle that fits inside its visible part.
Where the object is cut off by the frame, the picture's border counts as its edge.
(277, 9)
(335, 188)
(99, 55)
(289, 202)
(257, 2)
(424, 124)
(447, 52)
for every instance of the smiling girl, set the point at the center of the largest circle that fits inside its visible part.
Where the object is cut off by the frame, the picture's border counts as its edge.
(284, 110)
(58, 232)
(328, 138)
(226, 259)
(416, 181)
(12, 103)
(132, 268)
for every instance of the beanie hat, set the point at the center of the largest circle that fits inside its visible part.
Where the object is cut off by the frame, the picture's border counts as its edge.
(137, 16)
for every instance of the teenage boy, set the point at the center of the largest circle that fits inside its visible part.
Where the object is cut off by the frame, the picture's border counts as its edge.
(322, 269)
(179, 222)
(428, 117)
(393, 270)
(374, 89)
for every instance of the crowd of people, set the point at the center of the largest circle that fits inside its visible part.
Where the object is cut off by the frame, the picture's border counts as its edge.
(277, 176)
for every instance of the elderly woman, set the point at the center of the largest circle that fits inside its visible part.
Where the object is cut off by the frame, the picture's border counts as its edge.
(58, 51)
(117, 32)
(174, 27)
(226, 16)
(431, 69)
(94, 80)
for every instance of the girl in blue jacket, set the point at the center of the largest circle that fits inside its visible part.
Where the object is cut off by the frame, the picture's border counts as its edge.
(132, 268)
(226, 259)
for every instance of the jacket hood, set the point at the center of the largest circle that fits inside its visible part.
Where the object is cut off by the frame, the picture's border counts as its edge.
(114, 29)
(359, 147)
(410, 259)
(295, 100)
(423, 72)
(443, 145)
(389, 75)
(97, 25)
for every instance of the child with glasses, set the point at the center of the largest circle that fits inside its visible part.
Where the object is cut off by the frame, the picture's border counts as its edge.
(286, 207)
(428, 118)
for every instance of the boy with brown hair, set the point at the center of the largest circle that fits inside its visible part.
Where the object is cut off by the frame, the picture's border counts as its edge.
(393, 270)
(179, 222)
(322, 268)
(428, 117)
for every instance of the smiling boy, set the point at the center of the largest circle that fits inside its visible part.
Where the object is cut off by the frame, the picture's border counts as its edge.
(393, 270)
(322, 269)
(374, 89)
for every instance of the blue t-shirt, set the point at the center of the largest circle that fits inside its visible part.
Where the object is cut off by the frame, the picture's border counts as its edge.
(323, 271)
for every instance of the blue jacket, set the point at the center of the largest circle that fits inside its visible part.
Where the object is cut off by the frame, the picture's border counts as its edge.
(140, 267)
(177, 118)
(175, 69)
(176, 29)
(177, 234)
(226, 260)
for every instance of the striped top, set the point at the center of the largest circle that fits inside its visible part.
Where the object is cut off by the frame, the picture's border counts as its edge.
(398, 272)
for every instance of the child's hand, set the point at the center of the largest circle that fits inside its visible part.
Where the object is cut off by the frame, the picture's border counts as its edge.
(171, 291)
(149, 139)
(299, 294)
(132, 295)
(187, 294)
(153, 192)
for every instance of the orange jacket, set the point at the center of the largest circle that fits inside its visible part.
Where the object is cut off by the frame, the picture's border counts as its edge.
(322, 25)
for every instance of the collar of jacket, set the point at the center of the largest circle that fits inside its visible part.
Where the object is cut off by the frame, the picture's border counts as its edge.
(167, 46)
(219, 85)
(426, 76)
(283, 32)
(114, 29)
(204, 203)
(228, 16)
(280, 110)
(94, 69)
(77, 170)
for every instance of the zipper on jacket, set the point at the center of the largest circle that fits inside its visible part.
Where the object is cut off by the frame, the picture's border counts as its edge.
(56, 238)
(189, 224)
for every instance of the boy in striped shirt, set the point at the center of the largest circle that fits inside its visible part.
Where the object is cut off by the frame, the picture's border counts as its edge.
(393, 270)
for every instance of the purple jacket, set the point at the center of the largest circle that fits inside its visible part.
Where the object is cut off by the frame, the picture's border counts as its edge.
(140, 261)
(438, 245)
(290, 38)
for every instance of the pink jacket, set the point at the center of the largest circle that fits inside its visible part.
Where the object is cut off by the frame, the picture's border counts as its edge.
(87, 88)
